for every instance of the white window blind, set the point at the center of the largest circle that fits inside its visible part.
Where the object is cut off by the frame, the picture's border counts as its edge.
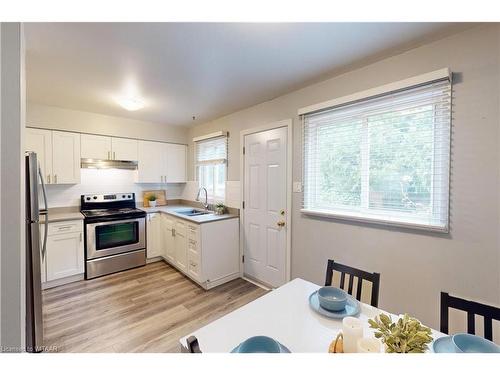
(211, 166)
(383, 159)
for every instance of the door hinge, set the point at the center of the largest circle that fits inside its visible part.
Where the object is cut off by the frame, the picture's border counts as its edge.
(243, 150)
(243, 259)
(243, 204)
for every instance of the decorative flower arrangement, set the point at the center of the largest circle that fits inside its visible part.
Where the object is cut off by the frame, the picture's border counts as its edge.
(152, 200)
(220, 208)
(407, 335)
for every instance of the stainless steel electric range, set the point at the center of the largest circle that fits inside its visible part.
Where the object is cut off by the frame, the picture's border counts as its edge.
(115, 233)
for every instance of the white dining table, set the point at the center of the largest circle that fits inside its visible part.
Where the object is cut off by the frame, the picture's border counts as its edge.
(283, 314)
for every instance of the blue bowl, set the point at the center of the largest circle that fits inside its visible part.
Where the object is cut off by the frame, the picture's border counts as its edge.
(331, 298)
(259, 344)
(467, 343)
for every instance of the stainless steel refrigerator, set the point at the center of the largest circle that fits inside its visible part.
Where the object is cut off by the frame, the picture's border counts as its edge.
(35, 251)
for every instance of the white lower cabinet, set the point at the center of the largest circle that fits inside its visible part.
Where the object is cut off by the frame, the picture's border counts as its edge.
(153, 236)
(168, 233)
(208, 253)
(64, 255)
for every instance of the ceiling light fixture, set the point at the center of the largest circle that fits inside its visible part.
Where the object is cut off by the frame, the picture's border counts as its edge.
(130, 104)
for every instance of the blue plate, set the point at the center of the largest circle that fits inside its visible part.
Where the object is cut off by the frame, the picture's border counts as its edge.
(443, 345)
(260, 344)
(352, 307)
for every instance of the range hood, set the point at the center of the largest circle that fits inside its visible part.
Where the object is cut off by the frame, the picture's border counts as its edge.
(107, 164)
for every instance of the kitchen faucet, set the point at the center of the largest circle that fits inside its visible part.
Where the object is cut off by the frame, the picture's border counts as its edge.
(206, 197)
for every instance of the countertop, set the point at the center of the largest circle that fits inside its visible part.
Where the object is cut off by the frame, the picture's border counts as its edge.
(63, 214)
(195, 219)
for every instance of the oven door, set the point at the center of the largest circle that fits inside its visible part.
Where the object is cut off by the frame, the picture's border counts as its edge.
(115, 237)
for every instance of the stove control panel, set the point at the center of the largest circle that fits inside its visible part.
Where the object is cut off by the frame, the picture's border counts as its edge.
(101, 198)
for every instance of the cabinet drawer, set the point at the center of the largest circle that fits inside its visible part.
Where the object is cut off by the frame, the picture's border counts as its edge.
(194, 269)
(65, 227)
(180, 227)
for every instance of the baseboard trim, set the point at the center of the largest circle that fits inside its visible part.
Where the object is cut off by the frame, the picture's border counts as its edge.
(257, 283)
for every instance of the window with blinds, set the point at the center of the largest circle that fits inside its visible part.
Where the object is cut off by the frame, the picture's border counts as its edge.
(211, 166)
(382, 159)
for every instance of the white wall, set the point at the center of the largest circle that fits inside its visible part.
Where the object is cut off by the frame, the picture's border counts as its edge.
(102, 181)
(43, 116)
(415, 266)
(12, 199)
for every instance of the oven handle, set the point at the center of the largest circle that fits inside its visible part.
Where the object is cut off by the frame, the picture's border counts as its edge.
(114, 221)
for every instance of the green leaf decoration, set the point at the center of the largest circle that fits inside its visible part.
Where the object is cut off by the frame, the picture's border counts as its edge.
(407, 335)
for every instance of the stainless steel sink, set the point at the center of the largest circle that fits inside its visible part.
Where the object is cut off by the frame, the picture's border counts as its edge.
(192, 212)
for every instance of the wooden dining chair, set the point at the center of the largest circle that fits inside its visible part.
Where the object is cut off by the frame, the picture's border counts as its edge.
(193, 345)
(489, 313)
(361, 275)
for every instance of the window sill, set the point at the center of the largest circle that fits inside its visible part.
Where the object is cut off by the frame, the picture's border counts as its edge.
(360, 218)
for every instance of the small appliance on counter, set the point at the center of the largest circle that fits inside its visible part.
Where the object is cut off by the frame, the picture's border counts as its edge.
(115, 233)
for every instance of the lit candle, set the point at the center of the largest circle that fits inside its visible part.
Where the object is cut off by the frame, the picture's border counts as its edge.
(368, 345)
(352, 331)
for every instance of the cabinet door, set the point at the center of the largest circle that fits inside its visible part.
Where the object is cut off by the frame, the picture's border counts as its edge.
(176, 163)
(65, 157)
(40, 141)
(180, 245)
(124, 149)
(96, 147)
(168, 237)
(153, 236)
(64, 255)
(150, 158)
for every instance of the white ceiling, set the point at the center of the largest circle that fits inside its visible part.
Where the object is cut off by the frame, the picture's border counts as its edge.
(205, 70)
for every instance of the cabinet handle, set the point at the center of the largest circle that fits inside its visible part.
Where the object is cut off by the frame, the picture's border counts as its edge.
(55, 179)
(80, 236)
(48, 178)
(114, 157)
(173, 232)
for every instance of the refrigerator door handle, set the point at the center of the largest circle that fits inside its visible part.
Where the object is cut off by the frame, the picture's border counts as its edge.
(45, 212)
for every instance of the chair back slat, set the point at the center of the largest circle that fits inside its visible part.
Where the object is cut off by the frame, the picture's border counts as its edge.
(358, 290)
(488, 329)
(342, 280)
(373, 278)
(471, 323)
(351, 280)
(472, 308)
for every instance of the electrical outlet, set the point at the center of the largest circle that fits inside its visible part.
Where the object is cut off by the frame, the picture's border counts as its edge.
(297, 187)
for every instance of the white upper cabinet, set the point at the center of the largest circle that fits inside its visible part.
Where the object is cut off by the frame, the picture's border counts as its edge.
(176, 163)
(65, 157)
(151, 158)
(40, 141)
(124, 149)
(96, 147)
(58, 153)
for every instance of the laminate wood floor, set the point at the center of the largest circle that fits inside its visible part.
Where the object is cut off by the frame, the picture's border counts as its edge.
(146, 309)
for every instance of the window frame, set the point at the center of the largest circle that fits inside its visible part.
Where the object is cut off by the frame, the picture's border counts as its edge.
(212, 198)
(363, 213)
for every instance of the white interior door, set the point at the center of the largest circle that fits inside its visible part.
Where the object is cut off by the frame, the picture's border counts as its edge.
(265, 206)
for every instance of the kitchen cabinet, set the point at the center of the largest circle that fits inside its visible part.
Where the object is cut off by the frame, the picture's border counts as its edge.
(198, 251)
(108, 148)
(95, 147)
(65, 157)
(176, 163)
(40, 141)
(124, 148)
(152, 166)
(154, 246)
(64, 256)
(168, 233)
(180, 245)
(58, 153)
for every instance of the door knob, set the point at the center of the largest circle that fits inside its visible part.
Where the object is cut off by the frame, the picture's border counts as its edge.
(281, 223)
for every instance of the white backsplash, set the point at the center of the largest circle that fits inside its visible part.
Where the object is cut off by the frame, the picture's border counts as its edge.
(102, 181)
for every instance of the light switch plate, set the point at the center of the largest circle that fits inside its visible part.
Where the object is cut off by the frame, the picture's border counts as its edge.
(297, 187)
